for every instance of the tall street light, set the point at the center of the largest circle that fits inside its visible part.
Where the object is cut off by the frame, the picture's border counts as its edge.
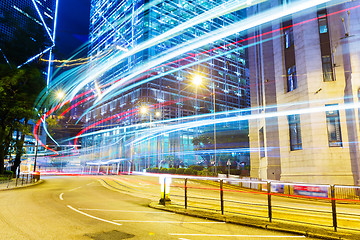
(144, 110)
(213, 93)
(197, 80)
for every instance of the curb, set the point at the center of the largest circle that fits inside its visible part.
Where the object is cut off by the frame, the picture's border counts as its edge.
(24, 186)
(290, 227)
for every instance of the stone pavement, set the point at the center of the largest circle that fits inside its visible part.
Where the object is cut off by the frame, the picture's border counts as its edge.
(286, 226)
(13, 184)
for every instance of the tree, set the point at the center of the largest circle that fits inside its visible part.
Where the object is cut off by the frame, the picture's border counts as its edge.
(18, 91)
(19, 87)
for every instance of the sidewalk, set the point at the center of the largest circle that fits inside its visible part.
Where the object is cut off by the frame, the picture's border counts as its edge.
(12, 184)
(297, 228)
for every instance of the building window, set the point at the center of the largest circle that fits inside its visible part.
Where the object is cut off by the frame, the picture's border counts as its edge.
(291, 78)
(334, 129)
(289, 37)
(325, 48)
(289, 56)
(262, 142)
(295, 132)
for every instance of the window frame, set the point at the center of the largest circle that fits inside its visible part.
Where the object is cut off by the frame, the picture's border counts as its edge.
(294, 124)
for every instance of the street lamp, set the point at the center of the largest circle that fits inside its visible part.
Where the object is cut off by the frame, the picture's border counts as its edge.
(213, 93)
(197, 80)
(60, 94)
(145, 110)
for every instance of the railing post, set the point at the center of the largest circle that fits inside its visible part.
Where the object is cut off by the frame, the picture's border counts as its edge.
(222, 196)
(27, 178)
(22, 180)
(269, 200)
(333, 206)
(186, 193)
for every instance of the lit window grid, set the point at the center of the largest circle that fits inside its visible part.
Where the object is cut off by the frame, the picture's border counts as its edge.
(17, 10)
(98, 43)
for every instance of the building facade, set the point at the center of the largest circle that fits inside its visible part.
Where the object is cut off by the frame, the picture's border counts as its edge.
(305, 88)
(222, 65)
(41, 12)
(15, 18)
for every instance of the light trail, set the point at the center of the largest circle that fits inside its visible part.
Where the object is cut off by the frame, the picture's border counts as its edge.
(194, 124)
(207, 51)
(211, 37)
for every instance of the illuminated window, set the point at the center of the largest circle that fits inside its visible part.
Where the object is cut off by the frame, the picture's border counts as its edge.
(295, 132)
(291, 78)
(289, 37)
(289, 56)
(334, 129)
(325, 48)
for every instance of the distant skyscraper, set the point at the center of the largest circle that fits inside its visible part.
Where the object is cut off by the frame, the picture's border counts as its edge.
(118, 25)
(42, 12)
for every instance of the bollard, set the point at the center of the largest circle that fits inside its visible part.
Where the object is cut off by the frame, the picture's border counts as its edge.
(333, 206)
(185, 193)
(165, 190)
(269, 200)
(222, 196)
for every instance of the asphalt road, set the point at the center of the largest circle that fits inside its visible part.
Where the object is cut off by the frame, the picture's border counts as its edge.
(82, 208)
(205, 195)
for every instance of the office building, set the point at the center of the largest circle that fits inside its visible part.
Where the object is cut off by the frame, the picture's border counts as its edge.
(304, 78)
(121, 25)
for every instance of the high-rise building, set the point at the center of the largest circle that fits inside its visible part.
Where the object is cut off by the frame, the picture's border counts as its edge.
(304, 78)
(166, 88)
(41, 12)
(15, 16)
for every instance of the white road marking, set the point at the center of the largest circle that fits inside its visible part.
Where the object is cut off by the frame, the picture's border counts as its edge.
(136, 221)
(90, 183)
(223, 235)
(74, 189)
(144, 184)
(88, 215)
(115, 210)
(183, 239)
(60, 196)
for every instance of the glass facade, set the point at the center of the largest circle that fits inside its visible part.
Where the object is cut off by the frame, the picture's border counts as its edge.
(41, 12)
(123, 25)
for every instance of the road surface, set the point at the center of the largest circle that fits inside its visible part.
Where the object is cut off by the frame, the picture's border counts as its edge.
(82, 208)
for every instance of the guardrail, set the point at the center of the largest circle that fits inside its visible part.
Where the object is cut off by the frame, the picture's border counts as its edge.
(20, 180)
(329, 206)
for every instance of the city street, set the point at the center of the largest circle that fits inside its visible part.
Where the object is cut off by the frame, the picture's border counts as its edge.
(82, 208)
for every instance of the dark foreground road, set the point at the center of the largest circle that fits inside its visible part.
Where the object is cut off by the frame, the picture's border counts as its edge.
(82, 208)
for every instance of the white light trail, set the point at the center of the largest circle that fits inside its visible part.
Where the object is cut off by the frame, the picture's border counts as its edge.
(43, 22)
(211, 37)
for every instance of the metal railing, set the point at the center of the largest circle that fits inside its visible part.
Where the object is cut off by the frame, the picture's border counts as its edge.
(330, 206)
(20, 180)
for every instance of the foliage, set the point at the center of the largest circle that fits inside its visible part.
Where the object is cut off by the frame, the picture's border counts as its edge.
(180, 171)
(19, 87)
(18, 91)
(189, 171)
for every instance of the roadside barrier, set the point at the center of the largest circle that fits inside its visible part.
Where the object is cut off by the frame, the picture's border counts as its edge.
(328, 206)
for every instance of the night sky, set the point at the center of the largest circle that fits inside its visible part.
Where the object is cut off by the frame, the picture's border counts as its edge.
(73, 26)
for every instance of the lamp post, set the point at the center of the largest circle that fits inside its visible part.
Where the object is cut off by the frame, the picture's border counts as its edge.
(197, 80)
(213, 93)
(145, 110)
